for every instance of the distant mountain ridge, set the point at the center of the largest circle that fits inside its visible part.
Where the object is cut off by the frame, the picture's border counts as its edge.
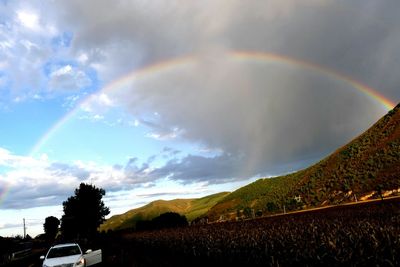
(369, 166)
(191, 208)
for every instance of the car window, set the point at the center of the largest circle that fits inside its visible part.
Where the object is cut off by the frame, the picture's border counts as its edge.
(63, 252)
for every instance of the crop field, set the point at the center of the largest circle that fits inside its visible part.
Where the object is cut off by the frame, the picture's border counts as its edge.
(365, 234)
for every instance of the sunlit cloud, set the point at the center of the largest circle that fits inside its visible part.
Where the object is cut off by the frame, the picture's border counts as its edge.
(166, 135)
(42, 182)
(97, 103)
(68, 78)
(28, 19)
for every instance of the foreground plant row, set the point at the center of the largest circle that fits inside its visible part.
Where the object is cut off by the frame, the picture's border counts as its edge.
(363, 234)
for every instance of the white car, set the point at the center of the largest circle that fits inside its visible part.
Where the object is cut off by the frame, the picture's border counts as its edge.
(70, 255)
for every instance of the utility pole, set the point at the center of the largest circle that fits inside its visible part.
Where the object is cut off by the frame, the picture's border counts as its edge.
(24, 228)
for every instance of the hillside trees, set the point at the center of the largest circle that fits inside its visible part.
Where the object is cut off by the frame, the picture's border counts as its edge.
(165, 220)
(83, 212)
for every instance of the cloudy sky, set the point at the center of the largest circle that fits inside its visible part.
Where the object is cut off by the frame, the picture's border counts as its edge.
(168, 99)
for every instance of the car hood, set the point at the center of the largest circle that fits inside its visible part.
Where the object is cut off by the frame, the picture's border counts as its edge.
(62, 260)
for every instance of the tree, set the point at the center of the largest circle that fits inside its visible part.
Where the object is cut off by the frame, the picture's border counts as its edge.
(169, 220)
(83, 212)
(271, 207)
(50, 226)
(165, 220)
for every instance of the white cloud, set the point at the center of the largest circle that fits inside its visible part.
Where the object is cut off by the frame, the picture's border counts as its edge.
(37, 97)
(34, 182)
(28, 19)
(27, 46)
(97, 103)
(98, 117)
(8, 159)
(105, 100)
(5, 45)
(166, 135)
(67, 69)
(72, 100)
(68, 78)
(83, 58)
(21, 39)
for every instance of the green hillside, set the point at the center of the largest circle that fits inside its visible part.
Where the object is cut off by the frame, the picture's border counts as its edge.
(191, 208)
(367, 167)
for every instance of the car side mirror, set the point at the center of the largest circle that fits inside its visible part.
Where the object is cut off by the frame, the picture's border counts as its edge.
(42, 257)
(88, 251)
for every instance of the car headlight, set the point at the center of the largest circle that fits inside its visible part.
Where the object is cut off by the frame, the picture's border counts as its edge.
(80, 263)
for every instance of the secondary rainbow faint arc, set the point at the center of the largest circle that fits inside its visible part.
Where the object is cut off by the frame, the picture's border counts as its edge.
(238, 55)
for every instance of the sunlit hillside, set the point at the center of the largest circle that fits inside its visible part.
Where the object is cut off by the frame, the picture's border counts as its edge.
(191, 208)
(367, 167)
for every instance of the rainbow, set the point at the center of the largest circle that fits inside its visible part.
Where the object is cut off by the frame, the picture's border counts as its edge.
(370, 92)
(4, 189)
(114, 85)
(235, 55)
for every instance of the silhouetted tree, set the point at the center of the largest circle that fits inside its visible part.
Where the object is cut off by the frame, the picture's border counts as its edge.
(83, 212)
(144, 225)
(165, 220)
(169, 220)
(50, 226)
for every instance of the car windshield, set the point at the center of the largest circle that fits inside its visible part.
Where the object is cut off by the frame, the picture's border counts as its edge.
(63, 252)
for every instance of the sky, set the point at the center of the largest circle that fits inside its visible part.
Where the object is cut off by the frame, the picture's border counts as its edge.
(180, 99)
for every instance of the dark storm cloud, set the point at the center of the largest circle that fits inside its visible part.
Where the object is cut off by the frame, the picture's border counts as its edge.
(261, 116)
(219, 169)
(266, 118)
(358, 38)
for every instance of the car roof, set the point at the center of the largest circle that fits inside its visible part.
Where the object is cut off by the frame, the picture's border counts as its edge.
(65, 245)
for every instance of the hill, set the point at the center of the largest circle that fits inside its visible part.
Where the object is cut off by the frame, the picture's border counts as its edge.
(191, 208)
(367, 167)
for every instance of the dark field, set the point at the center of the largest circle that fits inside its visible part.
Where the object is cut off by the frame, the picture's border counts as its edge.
(365, 234)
